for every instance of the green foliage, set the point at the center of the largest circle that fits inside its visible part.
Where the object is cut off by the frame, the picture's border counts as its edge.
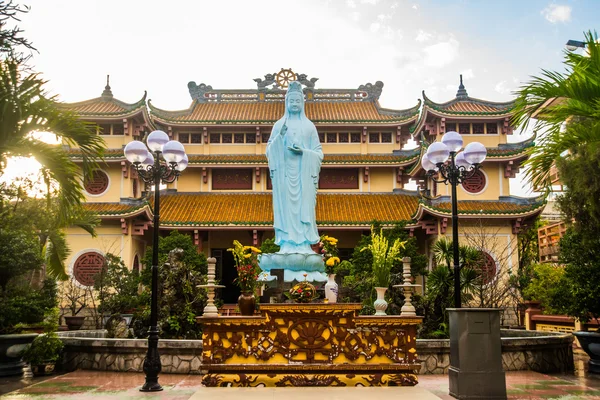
(578, 291)
(358, 281)
(46, 348)
(196, 261)
(545, 285)
(117, 287)
(19, 254)
(180, 301)
(578, 91)
(21, 305)
(269, 246)
(384, 256)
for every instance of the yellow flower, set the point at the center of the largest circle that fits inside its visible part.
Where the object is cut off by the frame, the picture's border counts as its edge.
(330, 262)
(335, 260)
(247, 255)
(254, 249)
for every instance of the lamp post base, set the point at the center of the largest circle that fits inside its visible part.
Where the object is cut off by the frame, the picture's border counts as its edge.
(151, 386)
(476, 354)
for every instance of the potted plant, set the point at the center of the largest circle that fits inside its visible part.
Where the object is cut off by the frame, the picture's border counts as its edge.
(384, 256)
(329, 250)
(246, 260)
(75, 297)
(45, 350)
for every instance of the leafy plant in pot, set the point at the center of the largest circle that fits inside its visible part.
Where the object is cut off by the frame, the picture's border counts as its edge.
(76, 298)
(46, 349)
(246, 260)
(384, 256)
(329, 250)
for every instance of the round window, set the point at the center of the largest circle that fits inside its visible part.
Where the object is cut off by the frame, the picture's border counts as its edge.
(87, 266)
(475, 183)
(488, 268)
(97, 183)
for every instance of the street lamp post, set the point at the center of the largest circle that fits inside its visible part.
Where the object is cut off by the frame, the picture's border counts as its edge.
(162, 163)
(461, 166)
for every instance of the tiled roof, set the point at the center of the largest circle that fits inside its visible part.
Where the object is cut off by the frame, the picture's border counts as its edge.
(108, 153)
(255, 209)
(104, 106)
(269, 112)
(465, 105)
(396, 158)
(333, 209)
(505, 206)
(116, 209)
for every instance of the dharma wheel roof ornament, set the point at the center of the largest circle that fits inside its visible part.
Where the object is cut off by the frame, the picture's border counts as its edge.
(273, 88)
(282, 79)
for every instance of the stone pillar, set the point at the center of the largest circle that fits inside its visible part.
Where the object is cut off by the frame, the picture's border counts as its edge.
(533, 308)
(476, 354)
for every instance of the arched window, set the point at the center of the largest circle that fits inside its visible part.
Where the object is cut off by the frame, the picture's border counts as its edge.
(136, 263)
(488, 268)
(87, 266)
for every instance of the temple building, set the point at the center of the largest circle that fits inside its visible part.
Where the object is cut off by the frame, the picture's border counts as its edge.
(224, 194)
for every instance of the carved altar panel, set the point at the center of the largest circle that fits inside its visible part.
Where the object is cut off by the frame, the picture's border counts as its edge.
(310, 345)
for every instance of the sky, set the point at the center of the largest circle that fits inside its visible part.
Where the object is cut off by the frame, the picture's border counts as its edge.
(408, 45)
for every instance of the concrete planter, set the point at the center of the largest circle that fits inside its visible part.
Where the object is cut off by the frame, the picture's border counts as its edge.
(590, 343)
(11, 348)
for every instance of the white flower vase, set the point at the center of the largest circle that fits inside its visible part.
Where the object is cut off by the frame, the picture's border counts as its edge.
(331, 289)
(380, 304)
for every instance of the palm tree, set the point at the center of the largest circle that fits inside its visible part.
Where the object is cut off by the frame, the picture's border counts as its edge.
(556, 98)
(25, 108)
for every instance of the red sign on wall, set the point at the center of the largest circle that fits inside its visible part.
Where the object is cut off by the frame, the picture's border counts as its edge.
(338, 178)
(231, 179)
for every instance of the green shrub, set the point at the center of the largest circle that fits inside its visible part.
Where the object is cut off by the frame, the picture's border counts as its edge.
(544, 286)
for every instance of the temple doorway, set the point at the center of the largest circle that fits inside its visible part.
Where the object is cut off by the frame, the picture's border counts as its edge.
(226, 273)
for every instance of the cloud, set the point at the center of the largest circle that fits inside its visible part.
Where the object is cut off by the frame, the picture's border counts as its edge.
(423, 36)
(355, 16)
(557, 13)
(375, 27)
(415, 7)
(371, 2)
(351, 3)
(502, 88)
(441, 54)
(468, 74)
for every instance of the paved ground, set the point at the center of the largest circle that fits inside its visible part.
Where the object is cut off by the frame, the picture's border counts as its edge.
(84, 385)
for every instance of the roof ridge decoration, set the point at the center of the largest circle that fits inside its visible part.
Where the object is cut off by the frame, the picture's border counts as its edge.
(272, 89)
(462, 92)
(107, 93)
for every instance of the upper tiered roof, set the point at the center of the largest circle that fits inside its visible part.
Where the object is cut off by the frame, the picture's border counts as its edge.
(106, 106)
(463, 106)
(265, 104)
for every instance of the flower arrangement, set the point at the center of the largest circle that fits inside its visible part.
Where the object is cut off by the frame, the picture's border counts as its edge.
(302, 292)
(329, 251)
(384, 256)
(246, 260)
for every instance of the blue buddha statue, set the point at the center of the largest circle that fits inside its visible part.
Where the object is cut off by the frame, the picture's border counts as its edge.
(294, 153)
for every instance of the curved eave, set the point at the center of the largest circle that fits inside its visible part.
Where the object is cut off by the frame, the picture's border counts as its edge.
(469, 114)
(170, 118)
(143, 210)
(129, 109)
(425, 209)
(503, 106)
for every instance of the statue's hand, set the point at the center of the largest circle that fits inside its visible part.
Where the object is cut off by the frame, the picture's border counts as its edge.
(294, 148)
(283, 130)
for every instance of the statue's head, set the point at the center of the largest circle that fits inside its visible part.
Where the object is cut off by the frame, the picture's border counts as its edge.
(294, 98)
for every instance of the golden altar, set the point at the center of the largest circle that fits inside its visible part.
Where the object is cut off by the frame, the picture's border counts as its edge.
(309, 345)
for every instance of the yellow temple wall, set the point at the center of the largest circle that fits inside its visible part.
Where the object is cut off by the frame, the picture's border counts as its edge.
(496, 185)
(381, 180)
(486, 140)
(189, 181)
(116, 141)
(341, 148)
(116, 184)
